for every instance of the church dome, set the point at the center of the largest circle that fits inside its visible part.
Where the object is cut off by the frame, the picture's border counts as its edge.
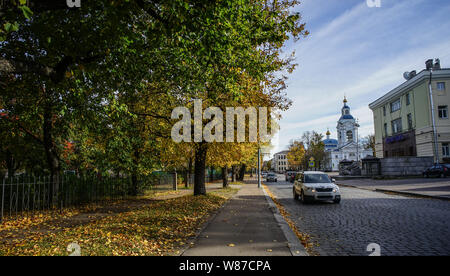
(347, 117)
(330, 142)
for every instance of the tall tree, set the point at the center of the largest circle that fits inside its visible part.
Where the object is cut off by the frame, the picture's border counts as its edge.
(296, 154)
(369, 143)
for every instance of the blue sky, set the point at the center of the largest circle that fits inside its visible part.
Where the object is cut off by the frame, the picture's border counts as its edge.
(359, 52)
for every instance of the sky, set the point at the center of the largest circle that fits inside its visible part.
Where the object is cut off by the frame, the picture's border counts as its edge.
(359, 52)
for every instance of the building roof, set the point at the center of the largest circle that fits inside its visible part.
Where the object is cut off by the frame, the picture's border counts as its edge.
(424, 75)
(330, 141)
(346, 117)
(282, 152)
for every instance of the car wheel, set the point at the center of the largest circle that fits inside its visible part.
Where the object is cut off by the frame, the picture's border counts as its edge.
(302, 197)
(442, 175)
(295, 194)
(337, 200)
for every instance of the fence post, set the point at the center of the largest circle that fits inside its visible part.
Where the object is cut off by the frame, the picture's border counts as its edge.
(3, 198)
(175, 185)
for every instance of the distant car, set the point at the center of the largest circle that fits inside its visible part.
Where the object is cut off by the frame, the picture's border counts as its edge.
(315, 186)
(288, 175)
(437, 170)
(271, 177)
(264, 174)
(292, 176)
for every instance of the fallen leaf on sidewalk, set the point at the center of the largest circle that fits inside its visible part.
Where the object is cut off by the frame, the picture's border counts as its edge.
(231, 245)
(269, 250)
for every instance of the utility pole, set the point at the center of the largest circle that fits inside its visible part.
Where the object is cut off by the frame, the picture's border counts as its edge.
(429, 66)
(357, 142)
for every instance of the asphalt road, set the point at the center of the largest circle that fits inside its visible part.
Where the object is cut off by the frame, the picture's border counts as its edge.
(399, 225)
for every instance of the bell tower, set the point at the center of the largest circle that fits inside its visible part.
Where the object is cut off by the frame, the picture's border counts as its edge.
(346, 127)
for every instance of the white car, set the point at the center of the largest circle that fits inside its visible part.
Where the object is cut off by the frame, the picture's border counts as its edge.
(315, 186)
(271, 177)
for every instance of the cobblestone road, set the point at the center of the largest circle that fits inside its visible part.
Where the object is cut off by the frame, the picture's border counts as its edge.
(400, 225)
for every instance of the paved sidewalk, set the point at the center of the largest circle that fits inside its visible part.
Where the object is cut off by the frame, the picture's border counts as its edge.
(427, 187)
(245, 226)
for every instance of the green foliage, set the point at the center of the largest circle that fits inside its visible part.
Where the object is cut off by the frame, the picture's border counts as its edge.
(93, 88)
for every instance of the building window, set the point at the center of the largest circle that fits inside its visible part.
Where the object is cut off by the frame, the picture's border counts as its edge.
(396, 126)
(385, 129)
(384, 110)
(349, 135)
(408, 99)
(396, 105)
(440, 86)
(410, 122)
(445, 150)
(443, 112)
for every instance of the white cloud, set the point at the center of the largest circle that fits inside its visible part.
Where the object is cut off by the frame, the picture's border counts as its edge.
(362, 53)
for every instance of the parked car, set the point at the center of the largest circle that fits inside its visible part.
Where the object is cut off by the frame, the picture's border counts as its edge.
(271, 177)
(437, 170)
(288, 175)
(315, 186)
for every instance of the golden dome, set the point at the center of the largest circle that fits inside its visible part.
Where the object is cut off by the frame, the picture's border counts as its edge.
(345, 99)
(328, 132)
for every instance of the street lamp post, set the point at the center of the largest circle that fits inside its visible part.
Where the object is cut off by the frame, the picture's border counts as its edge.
(259, 166)
(429, 66)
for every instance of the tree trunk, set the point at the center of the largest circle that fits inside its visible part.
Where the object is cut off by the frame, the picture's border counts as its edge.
(242, 172)
(233, 173)
(51, 155)
(189, 172)
(225, 176)
(10, 164)
(200, 167)
(134, 175)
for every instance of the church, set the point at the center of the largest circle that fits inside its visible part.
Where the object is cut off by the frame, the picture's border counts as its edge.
(347, 146)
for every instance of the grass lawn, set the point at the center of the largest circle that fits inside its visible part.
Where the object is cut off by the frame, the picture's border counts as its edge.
(141, 226)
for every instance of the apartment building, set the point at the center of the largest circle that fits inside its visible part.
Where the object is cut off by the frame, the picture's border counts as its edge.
(403, 117)
(280, 162)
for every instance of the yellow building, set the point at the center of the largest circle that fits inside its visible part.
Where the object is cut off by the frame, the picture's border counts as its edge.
(403, 118)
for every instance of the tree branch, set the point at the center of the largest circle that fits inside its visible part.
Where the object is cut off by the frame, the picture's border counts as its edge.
(19, 125)
(56, 73)
(150, 11)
